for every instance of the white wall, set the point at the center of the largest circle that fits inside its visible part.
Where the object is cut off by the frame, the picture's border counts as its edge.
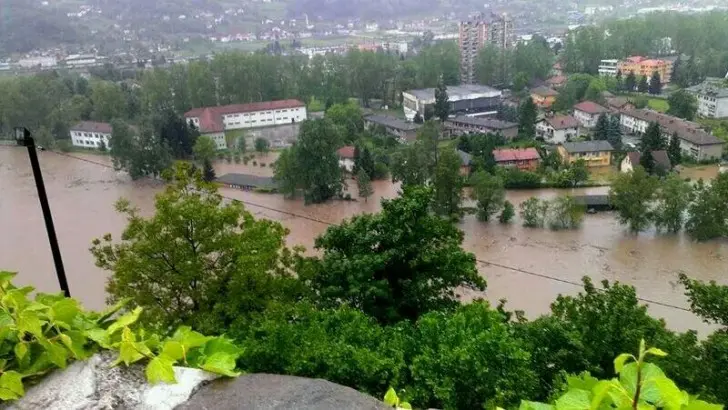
(89, 139)
(633, 124)
(264, 118)
(586, 119)
(218, 138)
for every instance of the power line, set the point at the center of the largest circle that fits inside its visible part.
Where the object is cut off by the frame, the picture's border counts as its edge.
(482, 261)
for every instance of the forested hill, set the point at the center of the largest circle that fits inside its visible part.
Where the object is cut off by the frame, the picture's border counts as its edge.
(24, 27)
(363, 9)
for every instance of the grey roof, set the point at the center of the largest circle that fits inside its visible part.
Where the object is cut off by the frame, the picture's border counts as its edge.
(712, 86)
(465, 158)
(686, 130)
(660, 157)
(491, 123)
(587, 146)
(457, 92)
(248, 180)
(392, 122)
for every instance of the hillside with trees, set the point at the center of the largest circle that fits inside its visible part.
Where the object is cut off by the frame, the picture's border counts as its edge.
(27, 27)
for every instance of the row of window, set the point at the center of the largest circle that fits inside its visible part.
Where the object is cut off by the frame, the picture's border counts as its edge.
(256, 113)
(86, 143)
(88, 134)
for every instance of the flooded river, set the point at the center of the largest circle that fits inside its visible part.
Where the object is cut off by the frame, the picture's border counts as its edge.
(528, 267)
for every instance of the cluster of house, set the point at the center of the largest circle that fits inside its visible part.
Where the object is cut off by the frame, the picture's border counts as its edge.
(210, 121)
(640, 66)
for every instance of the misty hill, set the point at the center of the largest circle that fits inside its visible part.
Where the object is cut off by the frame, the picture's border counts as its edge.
(363, 9)
(24, 27)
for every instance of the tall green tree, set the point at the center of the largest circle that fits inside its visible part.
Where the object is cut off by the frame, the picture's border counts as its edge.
(208, 172)
(365, 184)
(196, 261)
(489, 193)
(286, 172)
(683, 105)
(138, 151)
(672, 200)
(410, 165)
(614, 133)
(527, 115)
(108, 101)
(651, 141)
(655, 84)
(630, 82)
(642, 85)
(601, 131)
(632, 194)
(414, 268)
(673, 150)
(442, 101)
(176, 133)
(707, 214)
(204, 149)
(349, 117)
(317, 162)
(261, 145)
(448, 185)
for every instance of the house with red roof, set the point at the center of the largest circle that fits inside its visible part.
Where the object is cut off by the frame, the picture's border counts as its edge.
(346, 157)
(214, 121)
(526, 159)
(588, 112)
(557, 128)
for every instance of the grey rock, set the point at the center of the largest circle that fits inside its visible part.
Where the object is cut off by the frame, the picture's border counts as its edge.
(276, 392)
(94, 384)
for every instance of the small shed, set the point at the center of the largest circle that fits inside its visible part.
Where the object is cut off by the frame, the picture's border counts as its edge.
(247, 182)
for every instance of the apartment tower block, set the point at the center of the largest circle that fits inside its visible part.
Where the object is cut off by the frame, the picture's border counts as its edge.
(475, 33)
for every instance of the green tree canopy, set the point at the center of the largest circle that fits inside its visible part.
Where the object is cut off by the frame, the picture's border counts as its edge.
(631, 194)
(196, 261)
(448, 184)
(489, 193)
(204, 149)
(683, 105)
(397, 264)
(442, 102)
(348, 117)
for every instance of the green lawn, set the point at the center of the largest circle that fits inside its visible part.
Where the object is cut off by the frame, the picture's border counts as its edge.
(658, 104)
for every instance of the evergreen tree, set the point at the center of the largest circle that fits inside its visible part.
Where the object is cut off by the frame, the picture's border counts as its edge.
(673, 150)
(366, 161)
(365, 184)
(620, 80)
(614, 133)
(442, 103)
(208, 172)
(655, 84)
(448, 184)
(642, 86)
(651, 141)
(527, 114)
(418, 118)
(601, 131)
(630, 82)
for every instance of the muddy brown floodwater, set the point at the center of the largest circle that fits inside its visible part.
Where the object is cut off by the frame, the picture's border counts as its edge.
(528, 267)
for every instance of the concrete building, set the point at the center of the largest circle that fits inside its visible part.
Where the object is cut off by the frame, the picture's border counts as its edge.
(557, 129)
(83, 60)
(346, 157)
(404, 131)
(594, 153)
(588, 112)
(214, 121)
(465, 125)
(475, 33)
(694, 140)
(32, 62)
(463, 99)
(608, 68)
(89, 134)
(644, 67)
(632, 159)
(712, 95)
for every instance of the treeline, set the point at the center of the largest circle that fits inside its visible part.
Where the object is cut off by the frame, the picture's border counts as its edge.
(515, 68)
(700, 37)
(49, 103)
(377, 306)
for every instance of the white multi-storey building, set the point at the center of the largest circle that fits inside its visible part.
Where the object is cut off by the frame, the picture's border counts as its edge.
(608, 68)
(88, 134)
(214, 121)
(712, 96)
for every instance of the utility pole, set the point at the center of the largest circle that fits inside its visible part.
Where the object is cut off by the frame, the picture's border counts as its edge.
(23, 138)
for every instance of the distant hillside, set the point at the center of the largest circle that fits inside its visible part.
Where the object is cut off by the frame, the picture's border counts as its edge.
(24, 27)
(363, 9)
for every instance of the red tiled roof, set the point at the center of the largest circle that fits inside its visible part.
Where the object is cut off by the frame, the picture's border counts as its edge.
(211, 117)
(590, 107)
(544, 91)
(522, 154)
(561, 122)
(556, 80)
(635, 59)
(91, 126)
(346, 152)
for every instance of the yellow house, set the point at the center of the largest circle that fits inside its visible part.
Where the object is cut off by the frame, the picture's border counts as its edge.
(594, 153)
(543, 97)
(644, 67)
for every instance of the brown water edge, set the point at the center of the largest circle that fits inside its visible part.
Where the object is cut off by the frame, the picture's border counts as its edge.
(530, 267)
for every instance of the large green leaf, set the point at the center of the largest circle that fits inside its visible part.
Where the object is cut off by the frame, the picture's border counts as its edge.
(160, 369)
(21, 350)
(173, 349)
(222, 345)
(532, 405)
(11, 385)
(17, 298)
(574, 399)
(620, 361)
(189, 338)
(390, 398)
(124, 321)
(221, 363)
(65, 310)
(56, 353)
(74, 341)
(695, 404)
(29, 322)
(628, 375)
(666, 394)
(100, 336)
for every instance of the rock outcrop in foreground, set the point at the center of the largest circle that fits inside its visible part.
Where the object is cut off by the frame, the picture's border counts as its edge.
(93, 384)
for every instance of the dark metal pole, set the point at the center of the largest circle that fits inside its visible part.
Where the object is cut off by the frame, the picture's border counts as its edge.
(60, 272)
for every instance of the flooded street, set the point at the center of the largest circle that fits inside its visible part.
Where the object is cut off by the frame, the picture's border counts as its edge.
(529, 267)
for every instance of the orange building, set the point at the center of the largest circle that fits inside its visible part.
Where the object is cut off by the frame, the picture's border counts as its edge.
(543, 96)
(644, 67)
